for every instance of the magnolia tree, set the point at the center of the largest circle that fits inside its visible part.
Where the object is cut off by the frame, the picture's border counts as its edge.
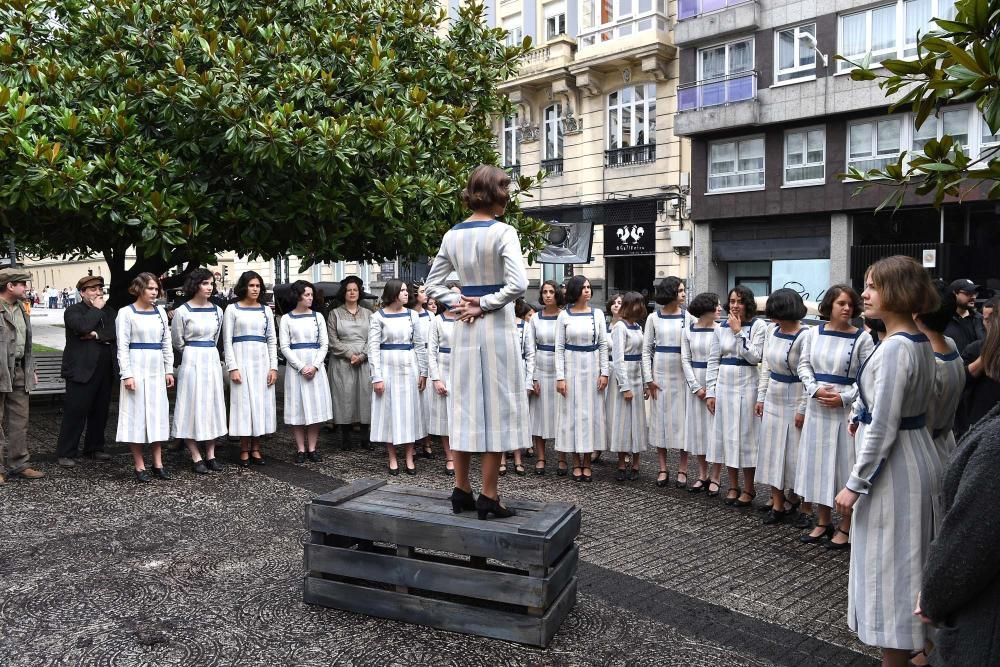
(957, 61)
(328, 129)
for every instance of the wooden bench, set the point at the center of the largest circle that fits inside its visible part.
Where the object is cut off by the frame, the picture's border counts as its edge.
(48, 365)
(399, 552)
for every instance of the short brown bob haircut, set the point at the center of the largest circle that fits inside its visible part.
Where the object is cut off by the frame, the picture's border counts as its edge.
(140, 281)
(903, 285)
(832, 294)
(488, 189)
(633, 308)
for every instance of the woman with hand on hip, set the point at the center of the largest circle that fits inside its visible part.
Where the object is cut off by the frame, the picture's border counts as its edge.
(543, 404)
(487, 399)
(146, 361)
(347, 369)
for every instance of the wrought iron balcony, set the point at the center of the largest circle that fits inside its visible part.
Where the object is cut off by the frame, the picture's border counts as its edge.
(721, 90)
(688, 9)
(553, 166)
(514, 170)
(630, 155)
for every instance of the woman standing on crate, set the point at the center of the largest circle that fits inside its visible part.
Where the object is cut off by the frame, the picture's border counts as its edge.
(348, 371)
(627, 430)
(542, 404)
(487, 399)
(146, 360)
(696, 346)
(250, 344)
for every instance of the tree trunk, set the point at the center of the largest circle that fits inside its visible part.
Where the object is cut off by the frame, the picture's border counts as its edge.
(121, 277)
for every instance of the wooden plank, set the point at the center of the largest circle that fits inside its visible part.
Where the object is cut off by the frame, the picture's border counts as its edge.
(545, 520)
(421, 503)
(466, 521)
(526, 505)
(561, 537)
(442, 614)
(352, 490)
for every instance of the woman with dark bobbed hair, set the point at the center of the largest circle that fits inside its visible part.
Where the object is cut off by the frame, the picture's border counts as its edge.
(418, 304)
(664, 373)
(348, 370)
(832, 354)
(250, 343)
(732, 392)
(200, 408)
(696, 347)
(780, 401)
(543, 404)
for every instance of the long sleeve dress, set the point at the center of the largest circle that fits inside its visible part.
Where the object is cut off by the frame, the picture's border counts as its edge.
(397, 353)
(661, 363)
(439, 369)
(780, 390)
(526, 340)
(250, 344)
(544, 407)
(427, 396)
(898, 474)
(627, 430)
(696, 346)
(145, 354)
(487, 399)
(200, 408)
(581, 358)
(829, 359)
(304, 343)
(732, 381)
(949, 382)
(350, 386)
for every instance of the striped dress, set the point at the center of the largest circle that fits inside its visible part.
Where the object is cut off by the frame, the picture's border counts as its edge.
(427, 396)
(487, 400)
(780, 390)
(661, 363)
(544, 408)
(200, 408)
(304, 342)
(581, 357)
(439, 368)
(732, 381)
(350, 386)
(145, 355)
(250, 344)
(527, 343)
(898, 474)
(829, 359)
(696, 346)
(949, 381)
(397, 354)
(627, 430)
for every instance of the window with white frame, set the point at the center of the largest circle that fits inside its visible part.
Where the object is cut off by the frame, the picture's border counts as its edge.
(632, 116)
(889, 31)
(724, 59)
(338, 271)
(795, 53)
(603, 20)
(736, 164)
(805, 156)
(873, 144)
(555, 19)
(953, 122)
(515, 33)
(511, 149)
(552, 131)
(988, 142)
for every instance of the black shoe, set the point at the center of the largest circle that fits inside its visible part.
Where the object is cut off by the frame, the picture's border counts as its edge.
(529, 452)
(519, 469)
(744, 503)
(837, 546)
(560, 470)
(826, 534)
(620, 475)
(678, 484)
(411, 471)
(540, 467)
(161, 473)
(143, 476)
(584, 476)
(775, 516)
(578, 478)
(258, 460)
(462, 501)
(486, 506)
(764, 508)
(300, 457)
(695, 488)
(633, 475)
(245, 462)
(394, 472)
(732, 501)
(214, 465)
(662, 482)
(198, 466)
(427, 452)
(314, 456)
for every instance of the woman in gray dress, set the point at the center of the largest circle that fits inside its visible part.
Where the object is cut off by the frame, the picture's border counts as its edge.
(347, 365)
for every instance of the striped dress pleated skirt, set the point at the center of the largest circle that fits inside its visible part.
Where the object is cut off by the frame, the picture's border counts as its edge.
(661, 359)
(145, 354)
(427, 396)
(304, 342)
(732, 380)
(581, 358)
(200, 407)
(696, 346)
(780, 390)
(439, 368)
(949, 381)
(544, 408)
(250, 345)
(627, 428)
(397, 354)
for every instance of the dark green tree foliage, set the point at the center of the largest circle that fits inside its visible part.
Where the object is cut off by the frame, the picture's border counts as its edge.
(958, 61)
(328, 129)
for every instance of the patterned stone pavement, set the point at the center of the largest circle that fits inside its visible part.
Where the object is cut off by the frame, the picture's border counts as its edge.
(97, 570)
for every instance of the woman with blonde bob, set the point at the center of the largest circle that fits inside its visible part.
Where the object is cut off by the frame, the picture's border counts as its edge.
(893, 488)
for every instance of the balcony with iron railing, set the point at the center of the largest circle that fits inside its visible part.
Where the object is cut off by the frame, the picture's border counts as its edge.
(700, 20)
(711, 104)
(630, 155)
(544, 63)
(514, 170)
(554, 166)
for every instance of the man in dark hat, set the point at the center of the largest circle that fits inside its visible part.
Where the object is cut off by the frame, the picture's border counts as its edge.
(17, 376)
(966, 326)
(88, 365)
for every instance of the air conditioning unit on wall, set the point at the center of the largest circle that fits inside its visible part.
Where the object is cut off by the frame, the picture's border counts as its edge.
(680, 239)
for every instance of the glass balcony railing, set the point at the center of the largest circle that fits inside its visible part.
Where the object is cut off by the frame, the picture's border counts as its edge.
(688, 9)
(714, 92)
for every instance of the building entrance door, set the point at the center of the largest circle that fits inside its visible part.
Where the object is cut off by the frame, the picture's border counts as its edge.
(631, 274)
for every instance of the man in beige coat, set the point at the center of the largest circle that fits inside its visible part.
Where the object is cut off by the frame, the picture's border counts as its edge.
(17, 377)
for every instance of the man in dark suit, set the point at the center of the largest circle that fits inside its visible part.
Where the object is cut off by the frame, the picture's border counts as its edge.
(88, 365)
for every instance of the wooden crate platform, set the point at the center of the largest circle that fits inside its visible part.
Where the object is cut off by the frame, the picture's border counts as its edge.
(399, 552)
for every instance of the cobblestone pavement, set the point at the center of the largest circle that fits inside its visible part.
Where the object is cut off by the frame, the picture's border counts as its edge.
(208, 571)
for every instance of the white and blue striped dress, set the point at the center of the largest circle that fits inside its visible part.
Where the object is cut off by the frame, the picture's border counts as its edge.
(527, 342)
(627, 429)
(949, 381)
(439, 368)
(696, 346)
(200, 408)
(544, 408)
(780, 390)
(304, 342)
(898, 474)
(250, 346)
(145, 355)
(397, 354)
(732, 380)
(661, 363)
(427, 396)
(487, 399)
(829, 359)
(581, 358)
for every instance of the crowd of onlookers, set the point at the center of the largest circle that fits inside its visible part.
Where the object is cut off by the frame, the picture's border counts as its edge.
(51, 297)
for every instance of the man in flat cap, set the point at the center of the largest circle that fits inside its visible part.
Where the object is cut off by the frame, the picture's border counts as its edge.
(88, 365)
(17, 376)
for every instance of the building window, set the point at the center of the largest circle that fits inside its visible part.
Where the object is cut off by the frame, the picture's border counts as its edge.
(515, 34)
(511, 154)
(724, 59)
(556, 272)
(988, 142)
(736, 165)
(953, 122)
(725, 75)
(874, 144)
(555, 19)
(805, 156)
(632, 125)
(553, 135)
(795, 53)
(338, 271)
(889, 31)
(604, 20)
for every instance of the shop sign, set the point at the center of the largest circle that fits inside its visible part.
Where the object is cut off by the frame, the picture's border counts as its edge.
(629, 239)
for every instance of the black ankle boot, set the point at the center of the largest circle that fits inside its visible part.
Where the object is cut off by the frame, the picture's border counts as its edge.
(462, 501)
(486, 506)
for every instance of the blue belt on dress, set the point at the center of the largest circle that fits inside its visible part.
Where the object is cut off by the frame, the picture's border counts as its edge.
(833, 379)
(304, 346)
(542, 347)
(672, 349)
(582, 348)
(396, 346)
(145, 346)
(787, 379)
(633, 357)
(480, 290)
(905, 424)
(446, 350)
(249, 339)
(199, 343)
(699, 364)
(733, 361)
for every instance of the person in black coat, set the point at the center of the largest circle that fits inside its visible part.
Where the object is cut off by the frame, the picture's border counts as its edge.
(88, 365)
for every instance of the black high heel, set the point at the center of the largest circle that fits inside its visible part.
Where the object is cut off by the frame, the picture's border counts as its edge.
(245, 462)
(732, 501)
(709, 492)
(486, 506)
(837, 546)
(744, 503)
(663, 482)
(560, 470)
(540, 467)
(462, 501)
(826, 534)
(694, 488)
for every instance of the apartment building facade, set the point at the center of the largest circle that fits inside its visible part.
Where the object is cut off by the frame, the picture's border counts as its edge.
(774, 118)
